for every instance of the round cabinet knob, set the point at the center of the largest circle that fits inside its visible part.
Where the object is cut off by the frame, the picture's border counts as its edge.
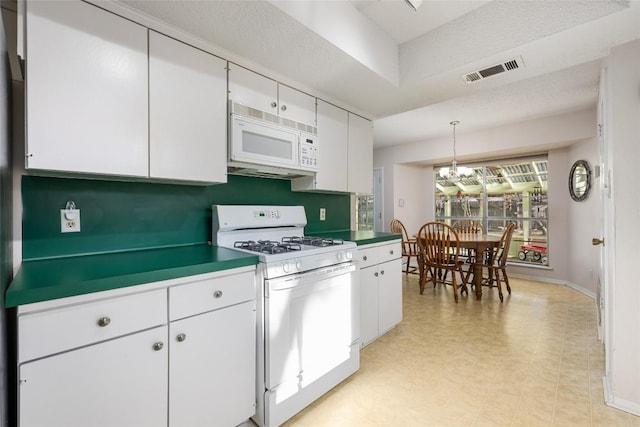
(283, 108)
(382, 272)
(364, 258)
(274, 104)
(375, 274)
(104, 321)
(391, 251)
(158, 346)
(181, 337)
(217, 294)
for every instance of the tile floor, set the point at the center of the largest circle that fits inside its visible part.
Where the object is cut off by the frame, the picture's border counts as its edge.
(533, 360)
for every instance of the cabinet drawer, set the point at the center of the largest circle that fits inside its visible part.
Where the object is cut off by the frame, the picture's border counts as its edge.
(389, 252)
(367, 257)
(53, 331)
(206, 295)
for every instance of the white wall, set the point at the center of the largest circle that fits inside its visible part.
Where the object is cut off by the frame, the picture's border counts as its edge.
(555, 135)
(622, 294)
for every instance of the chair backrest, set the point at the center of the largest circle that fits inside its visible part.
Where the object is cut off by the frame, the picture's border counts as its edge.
(468, 226)
(501, 252)
(438, 244)
(407, 244)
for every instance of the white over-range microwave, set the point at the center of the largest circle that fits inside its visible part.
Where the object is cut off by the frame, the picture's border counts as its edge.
(262, 143)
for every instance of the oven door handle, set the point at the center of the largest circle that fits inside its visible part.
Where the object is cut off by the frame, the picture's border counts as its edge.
(292, 281)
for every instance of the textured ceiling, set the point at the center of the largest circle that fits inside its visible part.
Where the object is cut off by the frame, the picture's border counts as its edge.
(561, 42)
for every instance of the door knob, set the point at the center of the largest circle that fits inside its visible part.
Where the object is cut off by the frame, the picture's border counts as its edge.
(595, 241)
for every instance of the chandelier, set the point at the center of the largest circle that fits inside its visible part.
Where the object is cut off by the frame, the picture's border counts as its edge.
(454, 174)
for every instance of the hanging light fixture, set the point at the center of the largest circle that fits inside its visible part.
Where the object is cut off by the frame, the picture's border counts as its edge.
(454, 174)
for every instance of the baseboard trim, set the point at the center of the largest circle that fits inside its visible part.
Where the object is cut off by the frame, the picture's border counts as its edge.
(574, 286)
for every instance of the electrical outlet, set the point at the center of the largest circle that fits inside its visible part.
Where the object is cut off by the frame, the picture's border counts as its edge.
(323, 214)
(69, 220)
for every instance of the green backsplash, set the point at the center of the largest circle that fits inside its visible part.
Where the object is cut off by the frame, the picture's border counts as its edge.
(132, 215)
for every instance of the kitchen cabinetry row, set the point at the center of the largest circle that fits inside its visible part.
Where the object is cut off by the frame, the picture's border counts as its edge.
(117, 99)
(380, 289)
(179, 353)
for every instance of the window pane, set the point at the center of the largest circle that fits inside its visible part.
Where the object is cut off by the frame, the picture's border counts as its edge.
(498, 193)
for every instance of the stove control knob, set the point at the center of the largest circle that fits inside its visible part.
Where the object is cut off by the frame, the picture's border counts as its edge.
(286, 267)
(299, 265)
(349, 255)
(339, 256)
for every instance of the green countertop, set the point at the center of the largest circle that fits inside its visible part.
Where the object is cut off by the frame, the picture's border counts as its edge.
(360, 237)
(47, 279)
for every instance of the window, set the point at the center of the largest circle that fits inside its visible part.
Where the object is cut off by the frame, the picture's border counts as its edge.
(497, 193)
(364, 212)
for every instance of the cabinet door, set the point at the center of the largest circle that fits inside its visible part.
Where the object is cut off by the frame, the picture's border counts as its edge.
(333, 131)
(368, 305)
(187, 112)
(252, 89)
(389, 295)
(86, 85)
(122, 382)
(296, 105)
(212, 371)
(360, 155)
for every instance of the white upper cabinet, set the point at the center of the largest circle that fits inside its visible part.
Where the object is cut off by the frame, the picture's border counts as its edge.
(187, 112)
(333, 133)
(262, 93)
(360, 155)
(296, 105)
(86, 86)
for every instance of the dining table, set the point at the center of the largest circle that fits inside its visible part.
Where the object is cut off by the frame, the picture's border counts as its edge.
(480, 243)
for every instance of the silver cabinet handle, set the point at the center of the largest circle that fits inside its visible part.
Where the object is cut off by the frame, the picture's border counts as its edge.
(217, 294)
(283, 108)
(104, 321)
(364, 258)
(274, 104)
(181, 337)
(158, 346)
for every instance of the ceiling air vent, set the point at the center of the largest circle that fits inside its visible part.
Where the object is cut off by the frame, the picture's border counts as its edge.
(510, 65)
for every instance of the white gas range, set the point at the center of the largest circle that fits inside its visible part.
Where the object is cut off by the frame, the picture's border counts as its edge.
(307, 310)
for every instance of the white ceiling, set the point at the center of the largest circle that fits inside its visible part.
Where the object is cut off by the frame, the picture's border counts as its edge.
(404, 69)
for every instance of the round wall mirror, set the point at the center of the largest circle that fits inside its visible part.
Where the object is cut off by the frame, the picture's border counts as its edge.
(580, 180)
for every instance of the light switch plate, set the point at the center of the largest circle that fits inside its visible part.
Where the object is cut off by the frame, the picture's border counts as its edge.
(323, 214)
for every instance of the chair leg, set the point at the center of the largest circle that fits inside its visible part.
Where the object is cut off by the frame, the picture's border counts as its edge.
(455, 286)
(506, 280)
(497, 278)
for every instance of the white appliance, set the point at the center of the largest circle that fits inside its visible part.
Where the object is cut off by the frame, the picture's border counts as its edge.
(307, 306)
(263, 143)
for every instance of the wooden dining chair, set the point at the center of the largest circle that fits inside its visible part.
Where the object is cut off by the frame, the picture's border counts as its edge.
(438, 251)
(498, 261)
(409, 249)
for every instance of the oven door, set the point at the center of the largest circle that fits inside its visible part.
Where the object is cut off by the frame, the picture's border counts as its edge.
(311, 323)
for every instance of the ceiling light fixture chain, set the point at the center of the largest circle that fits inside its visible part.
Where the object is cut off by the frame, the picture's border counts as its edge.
(453, 172)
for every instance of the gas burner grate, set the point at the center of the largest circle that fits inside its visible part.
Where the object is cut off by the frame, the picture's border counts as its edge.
(313, 241)
(267, 246)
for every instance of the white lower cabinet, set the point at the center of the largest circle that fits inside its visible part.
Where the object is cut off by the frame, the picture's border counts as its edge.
(174, 353)
(211, 379)
(121, 382)
(380, 289)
